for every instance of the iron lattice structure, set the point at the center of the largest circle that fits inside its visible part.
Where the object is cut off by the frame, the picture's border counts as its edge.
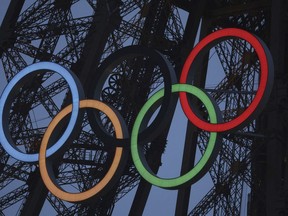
(80, 35)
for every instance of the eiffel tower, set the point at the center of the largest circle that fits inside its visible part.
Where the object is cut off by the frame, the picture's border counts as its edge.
(249, 175)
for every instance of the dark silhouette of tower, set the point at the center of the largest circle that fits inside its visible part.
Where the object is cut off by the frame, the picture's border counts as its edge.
(249, 176)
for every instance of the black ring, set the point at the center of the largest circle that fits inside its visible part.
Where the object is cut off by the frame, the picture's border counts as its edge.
(165, 113)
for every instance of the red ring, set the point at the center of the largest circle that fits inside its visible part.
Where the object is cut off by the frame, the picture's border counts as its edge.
(229, 32)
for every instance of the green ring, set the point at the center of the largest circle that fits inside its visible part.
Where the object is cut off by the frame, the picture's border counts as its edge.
(138, 155)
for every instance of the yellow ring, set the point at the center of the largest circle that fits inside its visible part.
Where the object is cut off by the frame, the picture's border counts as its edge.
(77, 197)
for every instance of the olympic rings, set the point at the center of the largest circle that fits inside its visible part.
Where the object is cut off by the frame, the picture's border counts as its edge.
(115, 169)
(141, 131)
(10, 91)
(201, 167)
(264, 89)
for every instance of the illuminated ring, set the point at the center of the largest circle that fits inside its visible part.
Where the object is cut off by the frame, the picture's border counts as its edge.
(105, 70)
(264, 89)
(203, 164)
(114, 171)
(7, 97)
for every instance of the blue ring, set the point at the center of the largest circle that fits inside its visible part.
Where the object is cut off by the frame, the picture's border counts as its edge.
(5, 137)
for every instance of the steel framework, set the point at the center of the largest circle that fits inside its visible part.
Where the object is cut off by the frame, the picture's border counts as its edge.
(250, 174)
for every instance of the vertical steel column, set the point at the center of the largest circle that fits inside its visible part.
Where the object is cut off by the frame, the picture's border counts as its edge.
(196, 10)
(107, 18)
(9, 21)
(155, 24)
(191, 139)
(276, 145)
(6, 40)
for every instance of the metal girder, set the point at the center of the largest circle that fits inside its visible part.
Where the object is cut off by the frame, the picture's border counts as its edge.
(17, 170)
(56, 203)
(13, 197)
(239, 9)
